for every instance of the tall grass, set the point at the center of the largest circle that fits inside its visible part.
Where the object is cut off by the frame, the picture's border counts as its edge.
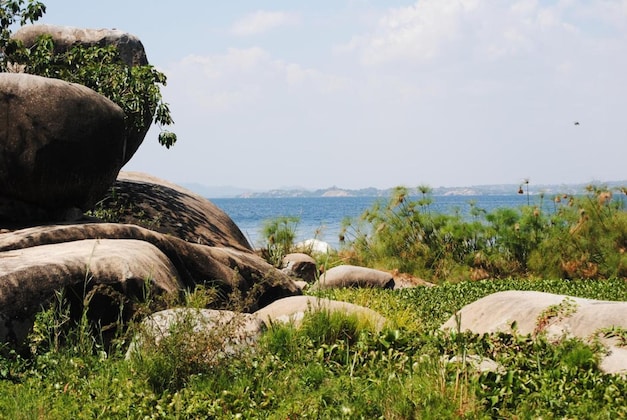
(333, 366)
(581, 237)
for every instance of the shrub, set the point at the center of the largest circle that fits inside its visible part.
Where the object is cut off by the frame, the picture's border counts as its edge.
(135, 89)
(585, 237)
(279, 235)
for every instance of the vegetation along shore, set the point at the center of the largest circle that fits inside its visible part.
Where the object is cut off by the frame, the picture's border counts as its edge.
(126, 296)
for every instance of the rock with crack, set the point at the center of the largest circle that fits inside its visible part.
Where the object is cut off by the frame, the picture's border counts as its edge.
(37, 261)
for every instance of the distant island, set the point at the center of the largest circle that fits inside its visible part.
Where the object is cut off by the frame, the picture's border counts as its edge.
(334, 191)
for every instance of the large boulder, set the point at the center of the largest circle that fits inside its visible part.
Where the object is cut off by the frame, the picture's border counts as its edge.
(61, 146)
(131, 52)
(65, 37)
(354, 276)
(108, 273)
(557, 316)
(43, 259)
(164, 207)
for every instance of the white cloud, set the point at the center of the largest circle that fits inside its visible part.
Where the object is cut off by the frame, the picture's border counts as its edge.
(243, 77)
(442, 92)
(433, 30)
(417, 32)
(262, 21)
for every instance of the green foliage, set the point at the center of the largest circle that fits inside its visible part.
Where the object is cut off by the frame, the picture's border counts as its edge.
(426, 308)
(181, 351)
(279, 235)
(584, 237)
(118, 207)
(135, 89)
(587, 238)
(15, 12)
(333, 367)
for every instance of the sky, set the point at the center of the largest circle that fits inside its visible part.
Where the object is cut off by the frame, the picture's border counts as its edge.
(358, 93)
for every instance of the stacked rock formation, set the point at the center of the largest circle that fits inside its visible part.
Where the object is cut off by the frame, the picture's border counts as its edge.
(131, 52)
(61, 151)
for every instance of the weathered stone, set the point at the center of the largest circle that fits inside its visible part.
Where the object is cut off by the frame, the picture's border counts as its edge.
(109, 273)
(556, 316)
(214, 333)
(293, 309)
(131, 52)
(354, 276)
(65, 37)
(61, 144)
(406, 280)
(477, 363)
(301, 284)
(226, 269)
(301, 266)
(168, 208)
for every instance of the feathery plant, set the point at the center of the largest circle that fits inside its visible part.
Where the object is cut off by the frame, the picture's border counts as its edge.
(279, 234)
(585, 237)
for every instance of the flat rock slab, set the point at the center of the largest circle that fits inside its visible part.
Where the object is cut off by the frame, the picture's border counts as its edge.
(546, 313)
(293, 309)
(355, 276)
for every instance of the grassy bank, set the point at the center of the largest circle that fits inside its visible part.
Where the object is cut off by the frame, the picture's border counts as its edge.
(331, 367)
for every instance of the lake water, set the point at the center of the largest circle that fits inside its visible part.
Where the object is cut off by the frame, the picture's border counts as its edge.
(321, 217)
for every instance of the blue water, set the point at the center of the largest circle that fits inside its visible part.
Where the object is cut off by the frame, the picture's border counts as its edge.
(321, 217)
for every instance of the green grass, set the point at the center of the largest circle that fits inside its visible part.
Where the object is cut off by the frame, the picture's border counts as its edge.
(334, 367)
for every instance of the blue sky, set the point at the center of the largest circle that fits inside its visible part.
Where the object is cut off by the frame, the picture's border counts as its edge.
(354, 93)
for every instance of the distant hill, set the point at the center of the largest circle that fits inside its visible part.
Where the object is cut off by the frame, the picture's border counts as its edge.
(496, 189)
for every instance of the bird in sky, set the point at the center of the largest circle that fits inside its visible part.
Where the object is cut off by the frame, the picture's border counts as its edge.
(576, 122)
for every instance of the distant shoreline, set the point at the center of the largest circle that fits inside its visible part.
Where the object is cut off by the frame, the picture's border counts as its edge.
(497, 189)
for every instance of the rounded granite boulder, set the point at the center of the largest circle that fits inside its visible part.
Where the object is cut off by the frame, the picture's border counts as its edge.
(61, 145)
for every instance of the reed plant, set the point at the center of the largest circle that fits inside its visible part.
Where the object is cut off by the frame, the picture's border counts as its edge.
(581, 237)
(333, 365)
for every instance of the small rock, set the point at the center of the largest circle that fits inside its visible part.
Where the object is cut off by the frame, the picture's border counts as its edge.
(355, 276)
(300, 265)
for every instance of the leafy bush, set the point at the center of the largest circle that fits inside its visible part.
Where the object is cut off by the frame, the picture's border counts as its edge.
(584, 237)
(12, 12)
(135, 89)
